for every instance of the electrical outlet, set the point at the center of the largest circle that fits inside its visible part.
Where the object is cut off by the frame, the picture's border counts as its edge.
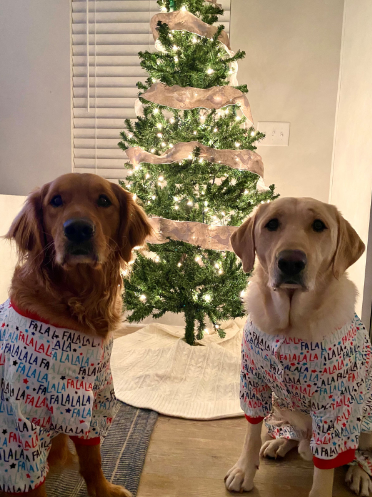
(277, 134)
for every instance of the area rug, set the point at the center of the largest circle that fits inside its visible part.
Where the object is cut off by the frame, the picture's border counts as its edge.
(154, 368)
(123, 454)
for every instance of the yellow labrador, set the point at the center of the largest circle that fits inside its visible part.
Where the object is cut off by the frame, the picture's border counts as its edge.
(300, 298)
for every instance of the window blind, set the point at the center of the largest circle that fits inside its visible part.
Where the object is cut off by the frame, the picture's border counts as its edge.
(106, 38)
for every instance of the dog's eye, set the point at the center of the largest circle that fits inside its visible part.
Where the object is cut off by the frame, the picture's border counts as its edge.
(103, 201)
(273, 224)
(56, 201)
(319, 226)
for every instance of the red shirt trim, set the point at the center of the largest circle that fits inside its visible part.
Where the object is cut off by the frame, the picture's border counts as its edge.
(86, 441)
(340, 460)
(32, 315)
(254, 421)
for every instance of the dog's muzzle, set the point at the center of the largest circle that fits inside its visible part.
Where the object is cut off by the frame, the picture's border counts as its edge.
(290, 268)
(79, 233)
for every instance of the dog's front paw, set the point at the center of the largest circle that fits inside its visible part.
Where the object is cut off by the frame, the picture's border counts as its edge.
(358, 481)
(240, 477)
(109, 490)
(278, 447)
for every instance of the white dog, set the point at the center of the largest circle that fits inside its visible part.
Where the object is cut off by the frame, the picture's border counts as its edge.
(306, 357)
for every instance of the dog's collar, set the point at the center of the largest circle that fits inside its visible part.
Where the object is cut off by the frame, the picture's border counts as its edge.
(32, 315)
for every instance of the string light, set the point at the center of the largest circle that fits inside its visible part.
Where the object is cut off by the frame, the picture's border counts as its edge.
(194, 39)
(216, 326)
(171, 145)
(135, 196)
(163, 144)
(159, 135)
(156, 111)
(237, 144)
(159, 125)
(183, 7)
(179, 264)
(175, 47)
(238, 118)
(242, 293)
(205, 203)
(157, 259)
(246, 191)
(153, 197)
(215, 130)
(189, 202)
(206, 331)
(176, 207)
(172, 120)
(195, 132)
(201, 161)
(143, 298)
(197, 258)
(176, 59)
(163, 9)
(210, 71)
(152, 150)
(147, 176)
(207, 297)
(161, 178)
(217, 266)
(130, 135)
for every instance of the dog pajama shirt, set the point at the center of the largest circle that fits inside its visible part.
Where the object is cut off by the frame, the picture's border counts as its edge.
(329, 380)
(52, 381)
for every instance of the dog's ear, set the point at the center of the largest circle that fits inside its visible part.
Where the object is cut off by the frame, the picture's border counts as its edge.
(134, 224)
(349, 246)
(27, 228)
(242, 241)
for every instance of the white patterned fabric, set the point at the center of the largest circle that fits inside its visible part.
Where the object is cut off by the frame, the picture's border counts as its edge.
(329, 380)
(52, 381)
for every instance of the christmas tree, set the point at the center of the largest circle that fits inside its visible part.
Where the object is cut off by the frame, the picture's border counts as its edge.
(193, 169)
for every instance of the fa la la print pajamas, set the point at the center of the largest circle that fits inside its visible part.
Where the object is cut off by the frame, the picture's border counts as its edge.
(52, 381)
(329, 380)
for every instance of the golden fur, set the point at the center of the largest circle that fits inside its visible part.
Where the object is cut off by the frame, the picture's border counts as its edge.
(80, 292)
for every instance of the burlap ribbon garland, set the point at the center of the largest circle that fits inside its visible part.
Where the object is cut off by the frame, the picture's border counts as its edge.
(199, 234)
(236, 159)
(187, 98)
(185, 21)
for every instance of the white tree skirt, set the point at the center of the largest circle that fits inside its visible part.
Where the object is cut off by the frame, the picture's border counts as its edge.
(154, 368)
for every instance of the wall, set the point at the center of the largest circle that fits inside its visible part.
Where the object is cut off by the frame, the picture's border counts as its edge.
(10, 205)
(351, 182)
(291, 69)
(35, 97)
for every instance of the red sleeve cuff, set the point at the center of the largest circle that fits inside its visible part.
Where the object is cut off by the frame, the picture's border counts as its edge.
(340, 460)
(86, 441)
(254, 421)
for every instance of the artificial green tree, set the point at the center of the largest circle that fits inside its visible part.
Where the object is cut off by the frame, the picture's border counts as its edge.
(178, 276)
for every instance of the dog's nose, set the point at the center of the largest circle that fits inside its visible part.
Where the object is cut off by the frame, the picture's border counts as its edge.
(291, 262)
(78, 230)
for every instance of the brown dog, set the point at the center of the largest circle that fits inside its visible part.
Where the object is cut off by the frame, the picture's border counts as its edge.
(299, 294)
(73, 236)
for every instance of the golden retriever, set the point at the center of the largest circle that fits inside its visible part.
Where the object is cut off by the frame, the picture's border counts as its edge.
(300, 298)
(73, 236)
